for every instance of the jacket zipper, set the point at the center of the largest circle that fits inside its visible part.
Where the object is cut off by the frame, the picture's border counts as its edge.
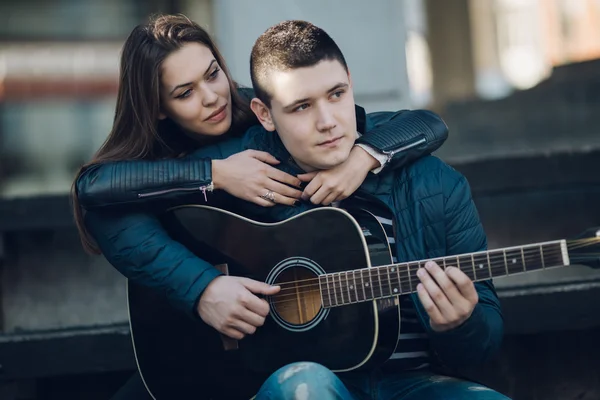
(203, 189)
(391, 153)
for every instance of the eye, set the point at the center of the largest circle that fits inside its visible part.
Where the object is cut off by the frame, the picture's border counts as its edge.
(301, 107)
(214, 74)
(185, 94)
(338, 94)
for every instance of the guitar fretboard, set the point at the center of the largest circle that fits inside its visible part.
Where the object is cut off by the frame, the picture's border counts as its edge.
(367, 284)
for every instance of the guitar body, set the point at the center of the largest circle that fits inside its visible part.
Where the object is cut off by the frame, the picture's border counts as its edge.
(180, 357)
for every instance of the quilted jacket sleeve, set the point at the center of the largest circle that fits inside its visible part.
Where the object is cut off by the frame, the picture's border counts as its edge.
(138, 246)
(480, 336)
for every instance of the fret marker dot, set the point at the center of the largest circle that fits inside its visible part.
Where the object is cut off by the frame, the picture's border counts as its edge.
(366, 284)
(480, 266)
(393, 269)
(395, 290)
(514, 260)
(351, 286)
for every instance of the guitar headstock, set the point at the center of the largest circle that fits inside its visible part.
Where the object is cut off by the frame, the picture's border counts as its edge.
(585, 248)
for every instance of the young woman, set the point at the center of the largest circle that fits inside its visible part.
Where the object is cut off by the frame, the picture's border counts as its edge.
(176, 95)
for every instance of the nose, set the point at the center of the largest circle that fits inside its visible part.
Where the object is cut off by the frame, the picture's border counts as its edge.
(325, 118)
(209, 96)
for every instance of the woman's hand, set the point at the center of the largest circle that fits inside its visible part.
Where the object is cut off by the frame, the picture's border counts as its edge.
(340, 182)
(248, 176)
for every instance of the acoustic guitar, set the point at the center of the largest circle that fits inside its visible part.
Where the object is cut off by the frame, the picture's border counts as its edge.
(338, 303)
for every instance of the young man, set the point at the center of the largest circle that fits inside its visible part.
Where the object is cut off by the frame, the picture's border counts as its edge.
(305, 94)
(305, 102)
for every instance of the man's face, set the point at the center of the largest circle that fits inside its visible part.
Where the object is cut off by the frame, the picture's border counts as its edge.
(312, 109)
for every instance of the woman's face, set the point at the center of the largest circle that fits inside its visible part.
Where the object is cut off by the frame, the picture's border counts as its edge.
(194, 91)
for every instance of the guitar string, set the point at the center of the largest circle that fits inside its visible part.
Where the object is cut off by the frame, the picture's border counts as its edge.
(481, 258)
(345, 279)
(351, 294)
(374, 272)
(499, 253)
(341, 287)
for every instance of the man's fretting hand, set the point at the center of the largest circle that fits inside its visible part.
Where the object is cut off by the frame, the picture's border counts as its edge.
(448, 296)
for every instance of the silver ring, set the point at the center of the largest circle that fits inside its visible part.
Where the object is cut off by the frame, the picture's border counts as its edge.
(269, 196)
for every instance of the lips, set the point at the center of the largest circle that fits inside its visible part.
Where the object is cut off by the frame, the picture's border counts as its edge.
(330, 142)
(217, 112)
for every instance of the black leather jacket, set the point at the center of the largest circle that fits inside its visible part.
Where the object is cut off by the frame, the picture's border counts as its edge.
(403, 136)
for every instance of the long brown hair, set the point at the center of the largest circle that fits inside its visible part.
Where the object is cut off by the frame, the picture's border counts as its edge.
(137, 132)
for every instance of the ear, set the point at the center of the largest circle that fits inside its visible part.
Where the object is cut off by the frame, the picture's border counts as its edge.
(263, 114)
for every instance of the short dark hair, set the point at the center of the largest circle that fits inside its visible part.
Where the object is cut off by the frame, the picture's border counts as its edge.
(289, 45)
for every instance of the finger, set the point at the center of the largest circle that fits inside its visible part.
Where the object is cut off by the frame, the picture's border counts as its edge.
(322, 194)
(233, 333)
(253, 319)
(312, 188)
(279, 199)
(330, 199)
(244, 327)
(428, 304)
(341, 197)
(463, 284)
(308, 176)
(283, 190)
(436, 293)
(283, 177)
(444, 282)
(255, 305)
(263, 156)
(259, 287)
(262, 202)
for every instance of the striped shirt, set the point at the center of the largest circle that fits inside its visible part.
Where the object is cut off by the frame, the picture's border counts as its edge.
(412, 351)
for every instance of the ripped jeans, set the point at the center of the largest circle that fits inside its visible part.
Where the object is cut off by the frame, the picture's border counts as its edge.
(306, 380)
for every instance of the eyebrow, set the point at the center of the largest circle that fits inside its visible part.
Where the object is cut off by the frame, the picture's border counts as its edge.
(189, 83)
(341, 85)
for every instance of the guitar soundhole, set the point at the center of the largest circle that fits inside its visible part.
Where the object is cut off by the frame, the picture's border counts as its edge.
(299, 300)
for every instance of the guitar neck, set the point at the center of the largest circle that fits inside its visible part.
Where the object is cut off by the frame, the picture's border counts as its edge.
(380, 282)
